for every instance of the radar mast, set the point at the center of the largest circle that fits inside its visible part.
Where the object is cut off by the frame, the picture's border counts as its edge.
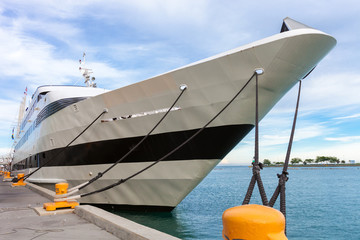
(89, 81)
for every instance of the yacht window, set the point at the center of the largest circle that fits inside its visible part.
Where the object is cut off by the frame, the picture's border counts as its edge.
(41, 96)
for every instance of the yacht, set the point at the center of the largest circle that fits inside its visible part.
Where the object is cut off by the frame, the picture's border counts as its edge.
(118, 120)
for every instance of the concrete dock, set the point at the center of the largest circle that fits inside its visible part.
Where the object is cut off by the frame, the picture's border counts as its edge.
(20, 219)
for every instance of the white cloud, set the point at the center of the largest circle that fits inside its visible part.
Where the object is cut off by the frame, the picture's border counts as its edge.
(225, 161)
(4, 151)
(155, 58)
(8, 120)
(322, 92)
(206, 26)
(243, 154)
(111, 77)
(357, 115)
(9, 110)
(31, 59)
(300, 134)
(273, 143)
(331, 91)
(343, 139)
(343, 151)
(37, 8)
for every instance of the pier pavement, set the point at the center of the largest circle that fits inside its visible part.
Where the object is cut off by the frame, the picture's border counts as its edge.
(19, 220)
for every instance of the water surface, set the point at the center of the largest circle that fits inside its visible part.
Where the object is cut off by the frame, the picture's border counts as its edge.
(322, 203)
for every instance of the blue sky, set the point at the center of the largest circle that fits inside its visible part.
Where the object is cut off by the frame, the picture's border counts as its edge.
(129, 41)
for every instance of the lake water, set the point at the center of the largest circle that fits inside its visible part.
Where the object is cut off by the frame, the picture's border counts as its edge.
(322, 203)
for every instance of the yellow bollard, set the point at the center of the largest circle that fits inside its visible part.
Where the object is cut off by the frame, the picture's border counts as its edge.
(60, 188)
(253, 222)
(7, 175)
(20, 182)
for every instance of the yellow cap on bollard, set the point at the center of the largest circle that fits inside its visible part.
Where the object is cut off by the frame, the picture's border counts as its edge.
(253, 222)
(60, 188)
(7, 175)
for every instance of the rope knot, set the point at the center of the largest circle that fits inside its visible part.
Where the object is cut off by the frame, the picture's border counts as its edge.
(284, 175)
(257, 167)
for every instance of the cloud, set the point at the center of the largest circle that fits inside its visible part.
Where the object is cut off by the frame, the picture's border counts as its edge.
(225, 161)
(275, 128)
(201, 26)
(111, 77)
(156, 58)
(343, 139)
(331, 91)
(274, 138)
(8, 115)
(343, 151)
(32, 60)
(65, 10)
(242, 154)
(300, 134)
(357, 115)
(322, 92)
(4, 151)
(8, 120)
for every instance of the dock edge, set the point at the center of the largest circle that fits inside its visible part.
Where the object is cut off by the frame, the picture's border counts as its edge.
(114, 224)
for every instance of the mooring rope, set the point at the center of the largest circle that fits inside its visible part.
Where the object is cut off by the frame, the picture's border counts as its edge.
(256, 178)
(280, 189)
(62, 150)
(169, 153)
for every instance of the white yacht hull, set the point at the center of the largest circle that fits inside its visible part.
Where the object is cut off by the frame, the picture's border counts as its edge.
(285, 58)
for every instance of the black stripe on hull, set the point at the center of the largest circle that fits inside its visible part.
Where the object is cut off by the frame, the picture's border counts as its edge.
(211, 143)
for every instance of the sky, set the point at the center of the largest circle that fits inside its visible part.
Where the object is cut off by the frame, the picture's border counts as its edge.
(125, 42)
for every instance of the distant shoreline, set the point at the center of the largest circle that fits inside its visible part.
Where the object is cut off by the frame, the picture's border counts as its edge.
(296, 165)
(318, 165)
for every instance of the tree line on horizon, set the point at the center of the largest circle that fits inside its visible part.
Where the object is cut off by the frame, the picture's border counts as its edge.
(319, 159)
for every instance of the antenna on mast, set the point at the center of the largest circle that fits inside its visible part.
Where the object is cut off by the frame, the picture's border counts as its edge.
(89, 81)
